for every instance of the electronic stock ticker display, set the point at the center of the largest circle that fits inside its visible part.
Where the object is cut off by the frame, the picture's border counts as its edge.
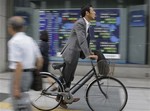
(105, 33)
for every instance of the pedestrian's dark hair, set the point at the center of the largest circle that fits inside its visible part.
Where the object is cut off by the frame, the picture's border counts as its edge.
(44, 35)
(84, 9)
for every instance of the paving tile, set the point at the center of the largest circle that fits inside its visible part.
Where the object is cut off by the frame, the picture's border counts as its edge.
(3, 96)
(4, 106)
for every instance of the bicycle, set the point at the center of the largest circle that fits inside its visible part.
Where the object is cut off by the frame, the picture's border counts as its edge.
(110, 94)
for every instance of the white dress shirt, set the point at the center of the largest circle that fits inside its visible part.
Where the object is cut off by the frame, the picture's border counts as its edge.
(87, 26)
(23, 49)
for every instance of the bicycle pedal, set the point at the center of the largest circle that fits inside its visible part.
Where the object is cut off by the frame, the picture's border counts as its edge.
(67, 89)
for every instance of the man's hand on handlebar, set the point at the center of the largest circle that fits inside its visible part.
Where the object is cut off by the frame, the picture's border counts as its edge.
(95, 57)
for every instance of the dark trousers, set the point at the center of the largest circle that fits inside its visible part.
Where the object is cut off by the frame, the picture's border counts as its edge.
(69, 71)
(45, 66)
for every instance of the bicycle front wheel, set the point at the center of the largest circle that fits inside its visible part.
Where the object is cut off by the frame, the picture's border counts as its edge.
(106, 94)
(46, 99)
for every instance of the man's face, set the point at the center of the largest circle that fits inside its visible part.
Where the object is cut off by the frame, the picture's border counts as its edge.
(92, 14)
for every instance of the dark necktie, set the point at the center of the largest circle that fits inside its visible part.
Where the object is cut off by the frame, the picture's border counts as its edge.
(82, 56)
(88, 36)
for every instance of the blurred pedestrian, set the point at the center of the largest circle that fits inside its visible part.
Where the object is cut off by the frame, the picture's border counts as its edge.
(23, 55)
(44, 48)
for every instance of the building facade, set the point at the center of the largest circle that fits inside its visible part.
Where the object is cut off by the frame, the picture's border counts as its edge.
(134, 34)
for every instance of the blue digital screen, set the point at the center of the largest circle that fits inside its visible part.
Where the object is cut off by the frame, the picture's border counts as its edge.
(137, 18)
(105, 29)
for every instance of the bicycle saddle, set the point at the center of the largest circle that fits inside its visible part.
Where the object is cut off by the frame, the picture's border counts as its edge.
(57, 65)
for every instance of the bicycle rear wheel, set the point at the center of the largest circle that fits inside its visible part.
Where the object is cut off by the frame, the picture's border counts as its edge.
(45, 99)
(110, 96)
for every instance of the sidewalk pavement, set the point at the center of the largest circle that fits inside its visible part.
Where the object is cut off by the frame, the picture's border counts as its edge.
(138, 94)
(128, 82)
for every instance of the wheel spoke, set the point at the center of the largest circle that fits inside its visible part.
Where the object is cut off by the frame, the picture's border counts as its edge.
(46, 98)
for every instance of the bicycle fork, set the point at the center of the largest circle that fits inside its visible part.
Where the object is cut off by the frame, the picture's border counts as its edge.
(99, 85)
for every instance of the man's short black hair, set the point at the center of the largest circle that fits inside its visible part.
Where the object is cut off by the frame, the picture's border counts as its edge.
(44, 35)
(84, 9)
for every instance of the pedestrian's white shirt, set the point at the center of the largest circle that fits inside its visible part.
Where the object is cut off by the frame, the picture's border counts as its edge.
(23, 49)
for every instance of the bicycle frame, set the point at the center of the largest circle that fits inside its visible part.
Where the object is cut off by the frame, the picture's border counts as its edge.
(84, 79)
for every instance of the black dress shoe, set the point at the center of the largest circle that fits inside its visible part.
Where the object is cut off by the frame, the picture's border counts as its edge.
(63, 105)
